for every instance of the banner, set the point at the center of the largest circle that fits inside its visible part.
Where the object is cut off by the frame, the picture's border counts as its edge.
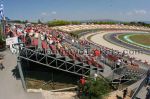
(12, 40)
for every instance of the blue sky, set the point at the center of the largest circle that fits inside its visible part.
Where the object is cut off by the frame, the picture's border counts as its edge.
(125, 10)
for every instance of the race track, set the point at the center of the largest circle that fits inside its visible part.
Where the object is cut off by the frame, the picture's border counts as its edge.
(113, 38)
(98, 39)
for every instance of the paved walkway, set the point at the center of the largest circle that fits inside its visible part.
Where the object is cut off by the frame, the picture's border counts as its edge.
(142, 93)
(10, 87)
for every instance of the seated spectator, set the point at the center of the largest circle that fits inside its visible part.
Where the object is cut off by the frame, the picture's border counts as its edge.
(118, 63)
(59, 45)
(49, 40)
(42, 37)
(36, 35)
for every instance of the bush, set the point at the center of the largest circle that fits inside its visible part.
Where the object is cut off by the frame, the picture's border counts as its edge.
(62, 22)
(2, 43)
(1, 40)
(58, 23)
(95, 89)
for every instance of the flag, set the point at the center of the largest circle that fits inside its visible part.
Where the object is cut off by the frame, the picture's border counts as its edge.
(2, 11)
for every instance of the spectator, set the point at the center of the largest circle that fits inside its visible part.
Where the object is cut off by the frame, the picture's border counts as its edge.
(125, 93)
(95, 76)
(28, 40)
(1, 64)
(148, 93)
(118, 64)
(82, 81)
(148, 77)
(148, 72)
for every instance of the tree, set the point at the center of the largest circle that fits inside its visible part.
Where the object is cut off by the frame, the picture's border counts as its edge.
(39, 21)
(96, 89)
(62, 22)
(26, 21)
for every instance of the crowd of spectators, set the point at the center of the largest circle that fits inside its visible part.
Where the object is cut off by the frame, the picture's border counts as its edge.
(71, 28)
(57, 42)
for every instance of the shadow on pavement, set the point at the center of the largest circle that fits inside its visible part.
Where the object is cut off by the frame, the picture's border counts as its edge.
(15, 72)
(118, 97)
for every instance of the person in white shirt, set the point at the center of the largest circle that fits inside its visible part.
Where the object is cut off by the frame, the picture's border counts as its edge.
(72, 40)
(95, 76)
(118, 64)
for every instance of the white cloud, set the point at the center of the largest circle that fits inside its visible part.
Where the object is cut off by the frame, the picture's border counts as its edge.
(129, 13)
(44, 14)
(53, 12)
(137, 12)
(141, 12)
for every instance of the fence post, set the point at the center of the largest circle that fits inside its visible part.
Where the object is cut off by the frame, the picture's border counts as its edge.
(21, 74)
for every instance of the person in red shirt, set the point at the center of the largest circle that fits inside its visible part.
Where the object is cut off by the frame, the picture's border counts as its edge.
(82, 81)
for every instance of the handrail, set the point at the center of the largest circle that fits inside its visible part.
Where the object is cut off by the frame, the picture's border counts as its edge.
(138, 89)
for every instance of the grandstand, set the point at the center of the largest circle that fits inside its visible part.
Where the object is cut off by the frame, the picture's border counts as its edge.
(60, 51)
(71, 28)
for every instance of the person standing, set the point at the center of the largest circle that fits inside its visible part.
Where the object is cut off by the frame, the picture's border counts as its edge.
(1, 64)
(148, 77)
(148, 93)
(125, 93)
(95, 76)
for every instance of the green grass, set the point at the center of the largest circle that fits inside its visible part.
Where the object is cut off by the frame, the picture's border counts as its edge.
(36, 80)
(36, 84)
(121, 37)
(141, 39)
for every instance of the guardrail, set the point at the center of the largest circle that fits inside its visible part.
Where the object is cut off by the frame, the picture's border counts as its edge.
(138, 89)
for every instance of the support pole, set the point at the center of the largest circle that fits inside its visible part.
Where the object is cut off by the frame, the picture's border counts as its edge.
(3, 23)
(21, 74)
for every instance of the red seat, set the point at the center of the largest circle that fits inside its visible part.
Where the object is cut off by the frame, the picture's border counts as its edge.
(88, 61)
(78, 58)
(53, 48)
(44, 45)
(35, 42)
(62, 51)
(71, 56)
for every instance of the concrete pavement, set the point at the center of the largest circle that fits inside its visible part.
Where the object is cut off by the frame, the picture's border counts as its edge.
(10, 87)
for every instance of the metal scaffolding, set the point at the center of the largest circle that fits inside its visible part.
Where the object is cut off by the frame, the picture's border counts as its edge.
(56, 62)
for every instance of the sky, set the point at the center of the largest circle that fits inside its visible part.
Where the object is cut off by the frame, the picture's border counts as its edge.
(122, 10)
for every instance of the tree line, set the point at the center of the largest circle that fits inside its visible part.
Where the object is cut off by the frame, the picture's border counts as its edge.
(64, 22)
